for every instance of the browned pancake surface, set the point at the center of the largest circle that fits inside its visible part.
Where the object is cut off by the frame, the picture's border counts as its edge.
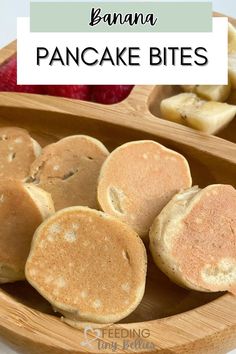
(89, 264)
(17, 152)
(69, 169)
(19, 218)
(206, 242)
(138, 179)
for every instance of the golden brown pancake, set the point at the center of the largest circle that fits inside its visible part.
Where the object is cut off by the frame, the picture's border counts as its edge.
(89, 265)
(18, 151)
(22, 209)
(138, 179)
(69, 170)
(193, 240)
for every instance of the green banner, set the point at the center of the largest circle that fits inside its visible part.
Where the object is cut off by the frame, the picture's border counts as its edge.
(120, 16)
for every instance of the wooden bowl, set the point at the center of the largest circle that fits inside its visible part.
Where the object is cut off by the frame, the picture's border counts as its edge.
(177, 320)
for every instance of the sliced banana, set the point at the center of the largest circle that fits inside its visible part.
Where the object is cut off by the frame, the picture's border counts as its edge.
(231, 39)
(190, 110)
(172, 108)
(218, 93)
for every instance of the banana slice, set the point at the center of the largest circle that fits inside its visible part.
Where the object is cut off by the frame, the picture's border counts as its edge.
(172, 108)
(231, 39)
(218, 93)
(190, 110)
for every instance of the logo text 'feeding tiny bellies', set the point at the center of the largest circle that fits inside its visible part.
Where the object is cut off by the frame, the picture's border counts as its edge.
(113, 339)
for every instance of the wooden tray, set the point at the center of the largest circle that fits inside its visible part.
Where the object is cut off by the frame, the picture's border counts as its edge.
(179, 321)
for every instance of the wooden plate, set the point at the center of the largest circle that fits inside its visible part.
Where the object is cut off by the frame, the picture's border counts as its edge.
(177, 320)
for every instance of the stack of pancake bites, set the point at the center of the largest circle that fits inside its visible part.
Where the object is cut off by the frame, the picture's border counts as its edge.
(76, 223)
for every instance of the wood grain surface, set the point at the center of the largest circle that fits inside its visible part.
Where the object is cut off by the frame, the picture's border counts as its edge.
(179, 321)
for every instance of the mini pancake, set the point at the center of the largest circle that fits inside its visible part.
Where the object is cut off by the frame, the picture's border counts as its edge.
(69, 170)
(18, 151)
(138, 179)
(193, 240)
(89, 265)
(22, 209)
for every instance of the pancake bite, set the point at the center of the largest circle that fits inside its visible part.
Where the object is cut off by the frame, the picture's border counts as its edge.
(18, 151)
(69, 170)
(193, 240)
(138, 179)
(89, 265)
(22, 209)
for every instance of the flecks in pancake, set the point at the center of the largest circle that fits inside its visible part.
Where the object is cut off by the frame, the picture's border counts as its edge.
(138, 179)
(18, 151)
(88, 265)
(193, 240)
(69, 170)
